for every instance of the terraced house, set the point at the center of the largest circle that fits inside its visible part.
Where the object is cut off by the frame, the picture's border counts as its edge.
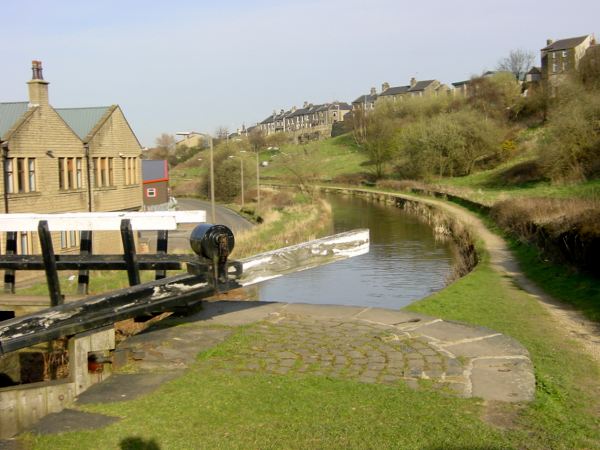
(307, 117)
(562, 57)
(66, 160)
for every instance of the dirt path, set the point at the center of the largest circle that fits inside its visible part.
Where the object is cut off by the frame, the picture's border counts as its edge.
(571, 323)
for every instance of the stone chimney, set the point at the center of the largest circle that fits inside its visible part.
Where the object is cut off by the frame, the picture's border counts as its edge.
(549, 42)
(38, 88)
(385, 86)
(373, 91)
(413, 82)
(305, 105)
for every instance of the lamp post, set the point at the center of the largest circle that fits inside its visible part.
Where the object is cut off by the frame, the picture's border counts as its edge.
(212, 170)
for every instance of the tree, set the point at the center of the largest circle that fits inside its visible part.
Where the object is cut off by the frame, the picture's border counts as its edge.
(166, 142)
(257, 140)
(379, 141)
(494, 95)
(222, 132)
(518, 62)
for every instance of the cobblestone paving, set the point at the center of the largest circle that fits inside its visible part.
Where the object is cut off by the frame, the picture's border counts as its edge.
(341, 349)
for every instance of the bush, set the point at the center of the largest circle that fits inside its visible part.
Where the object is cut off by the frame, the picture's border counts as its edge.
(570, 149)
(449, 144)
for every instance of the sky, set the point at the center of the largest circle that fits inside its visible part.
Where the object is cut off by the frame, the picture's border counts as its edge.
(184, 65)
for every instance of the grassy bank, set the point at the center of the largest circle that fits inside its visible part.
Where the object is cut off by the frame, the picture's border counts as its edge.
(215, 406)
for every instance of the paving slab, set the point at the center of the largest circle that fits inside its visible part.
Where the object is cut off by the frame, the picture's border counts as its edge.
(71, 420)
(392, 317)
(323, 311)
(123, 387)
(234, 313)
(506, 380)
(499, 345)
(449, 332)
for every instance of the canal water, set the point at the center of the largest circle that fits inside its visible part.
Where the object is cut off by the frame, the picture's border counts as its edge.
(405, 262)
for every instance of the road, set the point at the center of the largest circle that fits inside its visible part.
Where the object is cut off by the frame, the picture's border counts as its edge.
(179, 239)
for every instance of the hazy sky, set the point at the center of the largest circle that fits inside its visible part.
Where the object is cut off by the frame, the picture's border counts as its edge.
(185, 65)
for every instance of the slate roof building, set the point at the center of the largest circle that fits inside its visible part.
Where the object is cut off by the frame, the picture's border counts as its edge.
(155, 176)
(66, 160)
(559, 58)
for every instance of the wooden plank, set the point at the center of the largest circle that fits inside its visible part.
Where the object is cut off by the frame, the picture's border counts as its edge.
(9, 274)
(92, 223)
(96, 262)
(85, 248)
(169, 293)
(101, 221)
(133, 270)
(49, 257)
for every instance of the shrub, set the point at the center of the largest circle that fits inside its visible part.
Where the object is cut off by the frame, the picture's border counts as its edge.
(570, 149)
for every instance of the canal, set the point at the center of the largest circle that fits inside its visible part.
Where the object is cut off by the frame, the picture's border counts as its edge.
(405, 262)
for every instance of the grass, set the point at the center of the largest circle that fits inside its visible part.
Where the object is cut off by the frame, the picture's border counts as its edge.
(100, 281)
(329, 158)
(215, 406)
(578, 289)
(565, 411)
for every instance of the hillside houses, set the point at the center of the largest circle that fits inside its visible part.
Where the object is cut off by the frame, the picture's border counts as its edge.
(305, 118)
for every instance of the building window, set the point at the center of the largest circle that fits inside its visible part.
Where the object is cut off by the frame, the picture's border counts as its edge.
(130, 170)
(20, 175)
(553, 55)
(69, 174)
(103, 171)
(69, 239)
(554, 68)
(24, 244)
(151, 192)
(564, 54)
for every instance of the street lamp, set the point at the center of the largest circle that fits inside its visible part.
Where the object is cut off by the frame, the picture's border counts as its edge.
(241, 174)
(212, 170)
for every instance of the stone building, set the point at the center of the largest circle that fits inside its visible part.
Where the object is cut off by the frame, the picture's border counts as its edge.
(66, 160)
(562, 57)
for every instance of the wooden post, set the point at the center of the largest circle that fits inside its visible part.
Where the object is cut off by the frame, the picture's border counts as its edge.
(133, 271)
(162, 243)
(9, 274)
(85, 248)
(49, 257)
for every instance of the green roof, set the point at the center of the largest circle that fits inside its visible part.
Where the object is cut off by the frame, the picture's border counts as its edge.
(82, 120)
(10, 113)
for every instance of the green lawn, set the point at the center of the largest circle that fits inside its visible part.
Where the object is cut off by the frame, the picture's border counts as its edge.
(214, 406)
(327, 159)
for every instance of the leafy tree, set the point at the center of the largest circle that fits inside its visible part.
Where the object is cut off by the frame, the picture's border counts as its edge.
(496, 95)
(570, 150)
(379, 141)
(518, 62)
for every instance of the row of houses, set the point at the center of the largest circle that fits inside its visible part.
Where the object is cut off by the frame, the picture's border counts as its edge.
(66, 160)
(309, 116)
(558, 59)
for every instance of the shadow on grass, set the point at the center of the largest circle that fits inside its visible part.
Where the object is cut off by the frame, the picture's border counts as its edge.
(136, 443)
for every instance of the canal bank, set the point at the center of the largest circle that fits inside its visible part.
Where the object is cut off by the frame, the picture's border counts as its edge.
(563, 414)
(465, 228)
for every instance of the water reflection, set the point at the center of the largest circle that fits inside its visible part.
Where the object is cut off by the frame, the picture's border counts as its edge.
(405, 263)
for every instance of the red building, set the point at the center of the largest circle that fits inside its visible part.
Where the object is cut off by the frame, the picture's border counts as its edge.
(155, 177)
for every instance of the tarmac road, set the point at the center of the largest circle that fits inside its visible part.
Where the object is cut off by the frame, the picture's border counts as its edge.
(179, 239)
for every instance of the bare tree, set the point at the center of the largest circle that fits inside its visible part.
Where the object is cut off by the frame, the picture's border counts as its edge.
(222, 132)
(166, 142)
(518, 62)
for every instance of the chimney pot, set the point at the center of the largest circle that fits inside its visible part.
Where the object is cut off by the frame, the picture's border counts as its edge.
(373, 91)
(549, 41)
(38, 88)
(413, 82)
(385, 86)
